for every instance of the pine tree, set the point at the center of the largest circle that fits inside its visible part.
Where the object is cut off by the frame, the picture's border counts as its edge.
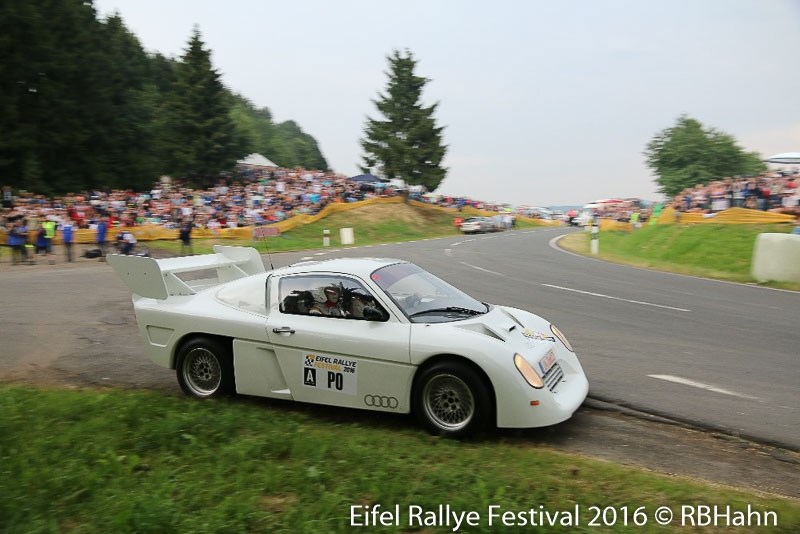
(204, 143)
(406, 144)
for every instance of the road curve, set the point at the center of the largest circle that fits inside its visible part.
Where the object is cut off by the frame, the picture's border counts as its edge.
(717, 355)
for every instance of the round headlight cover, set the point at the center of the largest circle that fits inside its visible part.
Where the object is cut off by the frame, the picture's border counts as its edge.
(528, 373)
(561, 337)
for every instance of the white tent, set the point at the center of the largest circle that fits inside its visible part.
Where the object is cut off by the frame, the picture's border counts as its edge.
(787, 158)
(256, 160)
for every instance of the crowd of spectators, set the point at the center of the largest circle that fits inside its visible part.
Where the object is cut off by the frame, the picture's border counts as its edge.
(777, 192)
(251, 198)
(265, 196)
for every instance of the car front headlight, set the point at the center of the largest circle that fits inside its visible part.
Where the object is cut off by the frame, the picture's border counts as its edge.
(561, 337)
(527, 372)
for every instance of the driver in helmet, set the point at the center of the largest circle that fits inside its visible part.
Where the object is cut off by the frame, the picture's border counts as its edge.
(332, 306)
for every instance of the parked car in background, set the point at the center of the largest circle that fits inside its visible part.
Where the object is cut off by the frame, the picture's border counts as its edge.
(537, 212)
(477, 225)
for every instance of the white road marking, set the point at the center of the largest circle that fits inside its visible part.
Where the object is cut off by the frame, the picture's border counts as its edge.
(320, 253)
(305, 258)
(553, 243)
(700, 385)
(617, 298)
(448, 252)
(481, 269)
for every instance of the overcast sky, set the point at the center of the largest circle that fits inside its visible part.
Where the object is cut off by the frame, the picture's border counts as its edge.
(543, 103)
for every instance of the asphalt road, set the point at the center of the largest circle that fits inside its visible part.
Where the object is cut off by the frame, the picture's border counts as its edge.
(641, 335)
(717, 355)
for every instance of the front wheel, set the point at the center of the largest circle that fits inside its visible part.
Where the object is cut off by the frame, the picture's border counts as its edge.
(204, 368)
(452, 399)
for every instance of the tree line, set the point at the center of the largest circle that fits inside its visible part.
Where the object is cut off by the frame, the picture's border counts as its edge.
(83, 106)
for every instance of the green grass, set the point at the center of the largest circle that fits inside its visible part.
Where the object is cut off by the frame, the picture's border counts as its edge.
(714, 251)
(119, 461)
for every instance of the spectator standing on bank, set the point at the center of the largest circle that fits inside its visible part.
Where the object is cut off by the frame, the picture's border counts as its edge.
(738, 193)
(128, 241)
(40, 243)
(185, 235)
(49, 227)
(16, 243)
(635, 220)
(102, 230)
(20, 233)
(67, 236)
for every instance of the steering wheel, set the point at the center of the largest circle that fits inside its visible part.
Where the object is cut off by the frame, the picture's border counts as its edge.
(413, 300)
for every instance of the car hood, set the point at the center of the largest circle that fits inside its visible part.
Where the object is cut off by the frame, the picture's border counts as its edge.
(519, 328)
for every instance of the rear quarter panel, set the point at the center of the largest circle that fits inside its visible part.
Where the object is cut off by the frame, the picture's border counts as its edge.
(164, 324)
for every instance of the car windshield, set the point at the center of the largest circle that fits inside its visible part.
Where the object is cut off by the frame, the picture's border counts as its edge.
(423, 297)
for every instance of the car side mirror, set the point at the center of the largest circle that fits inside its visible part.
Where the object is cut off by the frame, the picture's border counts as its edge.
(371, 313)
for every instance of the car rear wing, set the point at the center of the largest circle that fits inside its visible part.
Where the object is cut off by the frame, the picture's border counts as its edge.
(164, 278)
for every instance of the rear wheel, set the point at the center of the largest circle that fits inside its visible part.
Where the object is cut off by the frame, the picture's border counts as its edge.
(452, 399)
(204, 368)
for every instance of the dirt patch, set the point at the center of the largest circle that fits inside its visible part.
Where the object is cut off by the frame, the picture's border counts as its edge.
(404, 213)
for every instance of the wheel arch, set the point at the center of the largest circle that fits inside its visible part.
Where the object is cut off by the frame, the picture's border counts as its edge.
(225, 340)
(444, 358)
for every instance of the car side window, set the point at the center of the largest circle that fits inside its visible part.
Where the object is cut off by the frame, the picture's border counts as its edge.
(329, 296)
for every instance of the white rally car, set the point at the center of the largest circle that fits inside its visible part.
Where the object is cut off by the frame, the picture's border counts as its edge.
(376, 334)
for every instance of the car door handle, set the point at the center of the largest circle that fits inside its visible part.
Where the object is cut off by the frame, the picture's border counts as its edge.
(283, 330)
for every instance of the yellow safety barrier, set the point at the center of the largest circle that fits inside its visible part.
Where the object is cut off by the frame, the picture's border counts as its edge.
(611, 224)
(729, 216)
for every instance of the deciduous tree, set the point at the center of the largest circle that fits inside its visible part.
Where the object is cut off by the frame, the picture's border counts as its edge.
(688, 154)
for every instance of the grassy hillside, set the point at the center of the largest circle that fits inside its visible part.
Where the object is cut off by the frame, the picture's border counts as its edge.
(372, 224)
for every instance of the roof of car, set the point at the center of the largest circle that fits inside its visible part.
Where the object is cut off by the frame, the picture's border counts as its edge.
(358, 266)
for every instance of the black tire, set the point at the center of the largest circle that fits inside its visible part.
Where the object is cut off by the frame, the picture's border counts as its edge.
(451, 399)
(205, 369)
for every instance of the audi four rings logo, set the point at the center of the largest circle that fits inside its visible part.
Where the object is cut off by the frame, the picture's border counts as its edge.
(379, 401)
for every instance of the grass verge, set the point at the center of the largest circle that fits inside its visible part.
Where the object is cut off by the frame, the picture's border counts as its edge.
(723, 252)
(119, 461)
